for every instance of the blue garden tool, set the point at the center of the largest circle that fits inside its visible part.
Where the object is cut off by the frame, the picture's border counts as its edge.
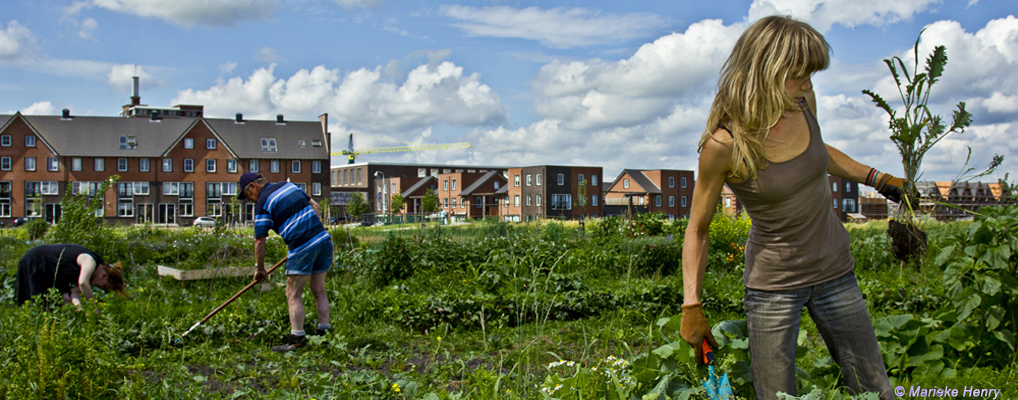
(718, 388)
(249, 286)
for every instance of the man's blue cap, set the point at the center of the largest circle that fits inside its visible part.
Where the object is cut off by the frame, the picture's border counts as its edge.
(245, 179)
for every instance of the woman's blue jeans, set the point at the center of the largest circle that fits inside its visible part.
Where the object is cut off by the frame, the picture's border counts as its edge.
(840, 314)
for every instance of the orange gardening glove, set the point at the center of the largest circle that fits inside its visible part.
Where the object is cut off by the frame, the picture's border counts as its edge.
(694, 328)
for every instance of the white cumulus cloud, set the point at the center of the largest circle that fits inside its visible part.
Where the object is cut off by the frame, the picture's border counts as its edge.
(556, 27)
(121, 77)
(824, 14)
(13, 39)
(38, 108)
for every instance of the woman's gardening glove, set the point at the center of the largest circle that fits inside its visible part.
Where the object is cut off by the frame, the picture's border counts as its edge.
(887, 185)
(694, 328)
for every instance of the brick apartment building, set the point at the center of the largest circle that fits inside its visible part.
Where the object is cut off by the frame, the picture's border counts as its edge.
(378, 182)
(174, 164)
(665, 191)
(552, 191)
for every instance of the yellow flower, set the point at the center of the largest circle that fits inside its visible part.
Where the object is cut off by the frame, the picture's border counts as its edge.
(439, 338)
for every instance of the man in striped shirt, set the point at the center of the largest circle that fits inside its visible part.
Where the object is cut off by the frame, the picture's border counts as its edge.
(292, 214)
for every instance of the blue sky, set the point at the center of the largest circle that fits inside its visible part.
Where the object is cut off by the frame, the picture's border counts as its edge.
(616, 84)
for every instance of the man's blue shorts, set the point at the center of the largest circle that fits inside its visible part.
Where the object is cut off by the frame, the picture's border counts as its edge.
(315, 260)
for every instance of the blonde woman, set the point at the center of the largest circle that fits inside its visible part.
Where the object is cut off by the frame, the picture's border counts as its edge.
(763, 141)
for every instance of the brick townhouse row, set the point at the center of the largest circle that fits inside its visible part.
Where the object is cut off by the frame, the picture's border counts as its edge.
(173, 166)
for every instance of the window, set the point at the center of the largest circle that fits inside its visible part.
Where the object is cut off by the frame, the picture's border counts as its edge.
(87, 188)
(76, 164)
(671, 181)
(454, 203)
(728, 202)
(231, 166)
(5, 163)
(848, 205)
(453, 184)
(269, 144)
(141, 188)
(671, 201)
(516, 180)
(210, 143)
(316, 143)
(682, 182)
(188, 165)
(625, 183)
(639, 200)
(125, 209)
(171, 188)
(538, 179)
(49, 188)
(186, 190)
(316, 188)
(834, 186)
(252, 166)
(529, 180)
(213, 190)
(529, 201)
(295, 166)
(143, 165)
(316, 167)
(5, 140)
(657, 201)
(359, 176)
(683, 199)
(229, 188)
(52, 164)
(167, 165)
(516, 200)
(99, 164)
(29, 163)
(121, 164)
(188, 143)
(30, 141)
(561, 202)
(593, 180)
(5, 210)
(561, 179)
(580, 178)
(445, 202)
(848, 187)
(186, 208)
(422, 172)
(496, 185)
(210, 165)
(445, 185)
(128, 142)
(593, 200)
(274, 166)
(835, 201)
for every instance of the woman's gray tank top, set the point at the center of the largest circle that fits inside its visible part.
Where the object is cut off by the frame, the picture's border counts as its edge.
(796, 239)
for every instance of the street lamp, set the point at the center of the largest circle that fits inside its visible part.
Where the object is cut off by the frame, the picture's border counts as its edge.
(382, 193)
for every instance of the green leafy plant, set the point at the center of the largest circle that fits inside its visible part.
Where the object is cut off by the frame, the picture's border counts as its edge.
(357, 206)
(397, 203)
(430, 201)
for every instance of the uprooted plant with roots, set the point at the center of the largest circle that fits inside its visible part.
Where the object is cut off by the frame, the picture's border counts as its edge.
(915, 131)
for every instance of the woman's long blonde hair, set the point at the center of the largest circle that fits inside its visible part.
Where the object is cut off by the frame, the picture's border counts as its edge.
(751, 91)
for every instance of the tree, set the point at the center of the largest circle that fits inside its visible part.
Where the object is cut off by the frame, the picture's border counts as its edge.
(397, 203)
(357, 205)
(430, 201)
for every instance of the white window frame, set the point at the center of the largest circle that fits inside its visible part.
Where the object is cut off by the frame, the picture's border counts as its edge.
(316, 188)
(682, 182)
(593, 179)
(274, 166)
(561, 179)
(210, 165)
(834, 186)
(529, 180)
(295, 166)
(99, 164)
(5, 140)
(538, 180)
(52, 164)
(75, 163)
(593, 200)
(671, 181)
(683, 201)
(144, 164)
(530, 200)
(171, 188)
(671, 201)
(454, 184)
(231, 165)
(188, 143)
(516, 200)
(580, 178)
(29, 140)
(253, 166)
(516, 180)
(5, 163)
(316, 166)
(140, 189)
(30, 164)
(188, 165)
(121, 164)
(625, 183)
(657, 200)
(49, 188)
(167, 165)
(210, 143)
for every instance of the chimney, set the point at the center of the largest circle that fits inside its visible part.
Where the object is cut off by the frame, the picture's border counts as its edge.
(135, 96)
(240, 119)
(66, 114)
(279, 119)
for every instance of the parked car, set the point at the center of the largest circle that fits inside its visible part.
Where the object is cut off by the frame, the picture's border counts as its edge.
(205, 222)
(24, 220)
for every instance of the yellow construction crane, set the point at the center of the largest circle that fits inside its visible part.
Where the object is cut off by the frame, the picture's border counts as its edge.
(352, 155)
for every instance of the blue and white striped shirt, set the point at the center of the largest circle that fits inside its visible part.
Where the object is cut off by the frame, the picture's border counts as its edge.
(284, 208)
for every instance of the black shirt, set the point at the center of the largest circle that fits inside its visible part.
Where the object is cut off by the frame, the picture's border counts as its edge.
(51, 266)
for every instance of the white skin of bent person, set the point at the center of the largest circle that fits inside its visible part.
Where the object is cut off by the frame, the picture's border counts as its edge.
(91, 275)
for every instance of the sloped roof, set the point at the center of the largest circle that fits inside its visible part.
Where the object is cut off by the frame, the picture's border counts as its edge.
(245, 138)
(100, 136)
(418, 186)
(640, 179)
(5, 119)
(478, 183)
(502, 190)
